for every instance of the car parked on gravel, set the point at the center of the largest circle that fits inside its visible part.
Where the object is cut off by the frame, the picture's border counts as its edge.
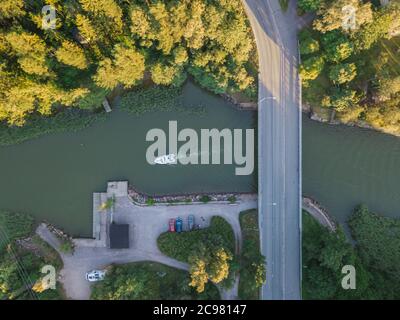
(95, 275)
(171, 227)
(191, 222)
(178, 225)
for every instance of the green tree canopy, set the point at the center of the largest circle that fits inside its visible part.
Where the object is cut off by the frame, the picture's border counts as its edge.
(127, 68)
(311, 68)
(342, 73)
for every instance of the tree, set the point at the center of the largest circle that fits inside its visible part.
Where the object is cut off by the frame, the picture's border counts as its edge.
(378, 239)
(140, 23)
(11, 9)
(337, 46)
(180, 55)
(341, 100)
(309, 5)
(311, 68)
(198, 273)
(331, 15)
(370, 33)
(308, 45)
(388, 87)
(324, 255)
(343, 73)
(86, 28)
(209, 263)
(393, 10)
(126, 69)
(71, 54)
(104, 9)
(30, 51)
(219, 265)
(167, 75)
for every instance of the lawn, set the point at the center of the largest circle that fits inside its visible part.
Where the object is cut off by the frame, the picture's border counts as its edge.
(149, 281)
(250, 253)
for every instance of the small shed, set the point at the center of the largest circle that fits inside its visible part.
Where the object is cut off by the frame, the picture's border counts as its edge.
(119, 236)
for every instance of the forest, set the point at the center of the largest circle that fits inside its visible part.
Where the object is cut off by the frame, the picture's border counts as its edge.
(372, 247)
(99, 45)
(351, 72)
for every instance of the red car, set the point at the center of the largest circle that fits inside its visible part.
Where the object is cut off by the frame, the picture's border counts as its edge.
(171, 225)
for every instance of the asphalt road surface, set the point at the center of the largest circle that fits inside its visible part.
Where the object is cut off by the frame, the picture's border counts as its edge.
(279, 146)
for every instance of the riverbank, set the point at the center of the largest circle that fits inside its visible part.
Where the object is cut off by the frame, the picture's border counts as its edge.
(70, 120)
(328, 118)
(319, 213)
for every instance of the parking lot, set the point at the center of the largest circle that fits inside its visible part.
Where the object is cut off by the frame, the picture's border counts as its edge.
(145, 225)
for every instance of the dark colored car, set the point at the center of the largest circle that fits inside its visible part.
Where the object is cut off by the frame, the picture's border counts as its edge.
(191, 222)
(178, 225)
(171, 225)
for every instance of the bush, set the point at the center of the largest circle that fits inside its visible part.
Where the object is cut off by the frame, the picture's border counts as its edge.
(150, 201)
(181, 245)
(67, 247)
(205, 199)
(232, 199)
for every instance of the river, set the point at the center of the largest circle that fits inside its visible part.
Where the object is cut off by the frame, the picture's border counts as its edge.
(346, 166)
(53, 177)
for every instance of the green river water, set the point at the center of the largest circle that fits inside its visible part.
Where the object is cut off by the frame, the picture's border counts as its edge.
(53, 177)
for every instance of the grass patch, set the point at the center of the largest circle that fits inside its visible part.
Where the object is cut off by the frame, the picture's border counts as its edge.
(181, 245)
(205, 199)
(248, 289)
(36, 126)
(149, 281)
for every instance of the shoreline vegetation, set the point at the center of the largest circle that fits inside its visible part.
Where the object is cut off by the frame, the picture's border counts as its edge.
(36, 126)
(352, 76)
(374, 254)
(95, 49)
(140, 198)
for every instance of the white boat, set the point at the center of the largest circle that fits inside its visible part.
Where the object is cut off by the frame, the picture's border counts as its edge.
(166, 159)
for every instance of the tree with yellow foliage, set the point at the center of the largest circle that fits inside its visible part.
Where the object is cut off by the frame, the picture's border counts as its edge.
(126, 68)
(30, 51)
(209, 263)
(71, 54)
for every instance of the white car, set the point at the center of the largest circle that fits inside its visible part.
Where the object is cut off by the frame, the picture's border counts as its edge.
(95, 275)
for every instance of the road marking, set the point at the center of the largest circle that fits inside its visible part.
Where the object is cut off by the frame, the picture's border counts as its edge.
(267, 98)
